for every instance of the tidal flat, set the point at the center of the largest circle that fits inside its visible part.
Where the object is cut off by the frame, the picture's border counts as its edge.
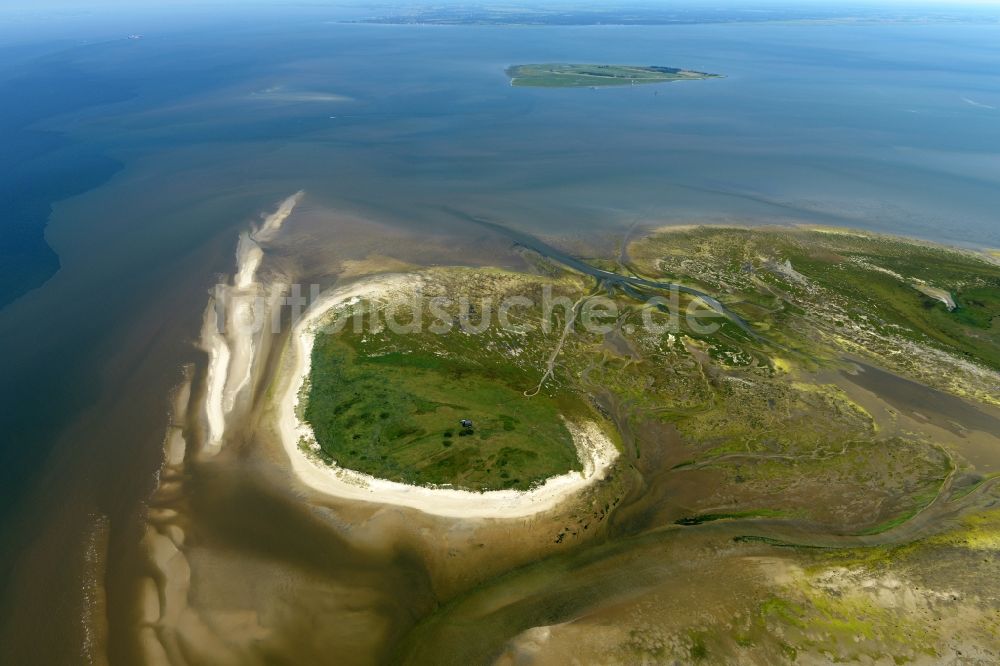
(753, 471)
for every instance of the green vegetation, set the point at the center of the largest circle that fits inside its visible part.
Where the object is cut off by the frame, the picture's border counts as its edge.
(822, 292)
(561, 75)
(390, 405)
(397, 416)
(913, 602)
(761, 434)
(846, 627)
(698, 651)
(921, 501)
(711, 517)
(829, 524)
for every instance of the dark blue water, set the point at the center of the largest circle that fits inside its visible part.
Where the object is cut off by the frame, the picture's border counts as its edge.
(149, 149)
(38, 167)
(889, 127)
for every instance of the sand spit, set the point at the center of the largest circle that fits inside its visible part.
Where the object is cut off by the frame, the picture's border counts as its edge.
(215, 344)
(164, 596)
(272, 223)
(233, 323)
(596, 451)
(249, 253)
(231, 335)
(937, 294)
(248, 257)
(237, 344)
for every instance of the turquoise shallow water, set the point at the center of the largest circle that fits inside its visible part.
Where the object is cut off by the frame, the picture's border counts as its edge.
(178, 138)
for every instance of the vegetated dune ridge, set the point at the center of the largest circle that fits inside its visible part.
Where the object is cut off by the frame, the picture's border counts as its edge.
(597, 453)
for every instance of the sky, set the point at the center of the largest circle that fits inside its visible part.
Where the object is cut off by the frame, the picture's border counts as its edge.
(138, 4)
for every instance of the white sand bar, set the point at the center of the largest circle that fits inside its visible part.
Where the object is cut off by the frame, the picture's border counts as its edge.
(596, 452)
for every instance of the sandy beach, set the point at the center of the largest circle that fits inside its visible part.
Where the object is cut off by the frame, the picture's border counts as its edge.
(232, 354)
(596, 452)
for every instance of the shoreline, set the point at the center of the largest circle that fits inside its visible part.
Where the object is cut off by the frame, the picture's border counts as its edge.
(227, 334)
(596, 451)
(984, 252)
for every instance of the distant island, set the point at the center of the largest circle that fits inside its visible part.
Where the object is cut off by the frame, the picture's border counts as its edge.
(671, 14)
(563, 75)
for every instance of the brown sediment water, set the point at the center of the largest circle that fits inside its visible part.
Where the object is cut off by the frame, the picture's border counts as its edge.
(941, 409)
(249, 563)
(233, 510)
(900, 404)
(125, 335)
(73, 557)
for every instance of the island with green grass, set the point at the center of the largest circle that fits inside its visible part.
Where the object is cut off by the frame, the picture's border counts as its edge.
(568, 75)
(447, 408)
